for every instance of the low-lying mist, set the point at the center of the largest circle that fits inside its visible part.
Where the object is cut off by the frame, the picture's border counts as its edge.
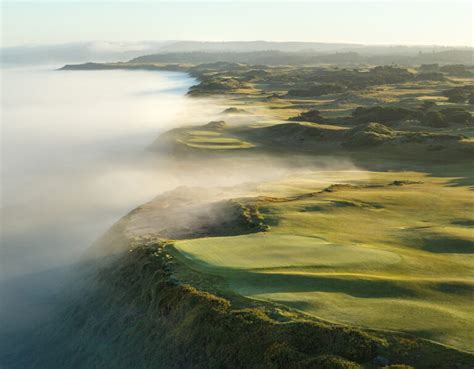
(72, 164)
(71, 144)
(74, 161)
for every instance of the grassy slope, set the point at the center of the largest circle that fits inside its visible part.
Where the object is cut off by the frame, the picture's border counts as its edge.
(392, 257)
(396, 258)
(146, 308)
(135, 313)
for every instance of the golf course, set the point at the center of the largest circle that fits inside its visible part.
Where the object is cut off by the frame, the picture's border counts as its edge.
(371, 253)
(329, 224)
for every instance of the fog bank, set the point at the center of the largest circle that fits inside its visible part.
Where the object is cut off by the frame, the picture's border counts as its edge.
(71, 148)
(74, 162)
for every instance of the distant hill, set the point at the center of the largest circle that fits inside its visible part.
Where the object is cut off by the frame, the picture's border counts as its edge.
(321, 47)
(252, 52)
(247, 46)
(276, 57)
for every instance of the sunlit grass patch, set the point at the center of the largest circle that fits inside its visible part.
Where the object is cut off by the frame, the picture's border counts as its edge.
(216, 143)
(380, 254)
(203, 133)
(263, 251)
(214, 140)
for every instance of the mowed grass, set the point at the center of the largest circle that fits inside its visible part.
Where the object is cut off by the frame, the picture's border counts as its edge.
(386, 257)
(212, 140)
(263, 251)
(204, 133)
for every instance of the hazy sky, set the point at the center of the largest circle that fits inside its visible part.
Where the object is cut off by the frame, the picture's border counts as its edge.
(376, 22)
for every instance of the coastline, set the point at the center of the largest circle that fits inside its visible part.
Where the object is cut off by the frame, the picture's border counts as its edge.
(167, 294)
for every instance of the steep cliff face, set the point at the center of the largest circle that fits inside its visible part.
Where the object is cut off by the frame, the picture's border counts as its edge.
(135, 313)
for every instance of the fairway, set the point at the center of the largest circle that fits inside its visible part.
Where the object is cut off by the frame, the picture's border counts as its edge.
(378, 254)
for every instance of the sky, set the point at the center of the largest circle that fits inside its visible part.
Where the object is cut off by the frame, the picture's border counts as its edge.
(377, 22)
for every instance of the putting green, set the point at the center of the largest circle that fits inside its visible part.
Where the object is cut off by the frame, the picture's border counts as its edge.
(378, 255)
(206, 141)
(259, 251)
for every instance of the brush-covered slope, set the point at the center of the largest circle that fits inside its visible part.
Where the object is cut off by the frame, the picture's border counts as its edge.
(190, 280)
(138, 313)
(138, 307)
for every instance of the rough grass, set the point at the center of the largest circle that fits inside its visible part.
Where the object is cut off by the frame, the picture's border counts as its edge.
(135, 313)
(380, 256)
(210, 303)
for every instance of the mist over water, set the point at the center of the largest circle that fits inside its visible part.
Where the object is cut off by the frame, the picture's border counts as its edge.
(72, 144)
(74, 161)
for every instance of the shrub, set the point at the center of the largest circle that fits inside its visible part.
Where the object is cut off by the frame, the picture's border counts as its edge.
(371, 134)
(434, 119)
(281, 355)
(471, 99)
(455, 69)
(330, 362)
(427, 105)
(459, 94)
(457, 115)
(429, 68)
(383, 114)
(430, 76)
(309, 116)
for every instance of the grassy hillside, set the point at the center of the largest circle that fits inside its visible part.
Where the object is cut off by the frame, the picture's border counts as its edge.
(209, 302)
(272, 56)
(136, 313)
(381, 253)
(325, 268)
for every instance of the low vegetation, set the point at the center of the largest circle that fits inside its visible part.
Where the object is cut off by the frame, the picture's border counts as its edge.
(309, 116)
(395, 256)
(358, 268)
(460, 94)
(207, 302)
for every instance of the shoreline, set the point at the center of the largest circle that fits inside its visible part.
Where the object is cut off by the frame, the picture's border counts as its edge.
(182, 297)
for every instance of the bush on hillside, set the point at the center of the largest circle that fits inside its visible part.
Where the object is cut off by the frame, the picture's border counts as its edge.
(367, 135)
(459, 94)
(447, 116)
(430, 76)
(383, 114)
(312, 115)
(434, 119)
(455, 69)
(457, 115)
